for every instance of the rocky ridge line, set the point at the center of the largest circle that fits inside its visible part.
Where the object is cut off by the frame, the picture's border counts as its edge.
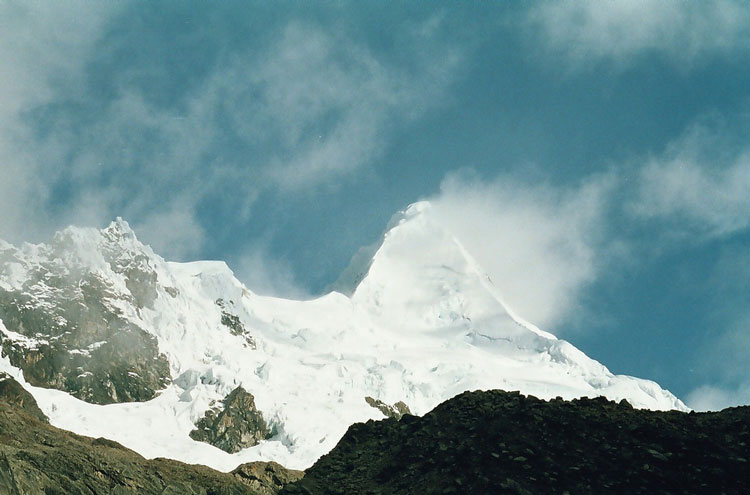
(65, 324)
(38, 458)
(395, 411)
(507, 443)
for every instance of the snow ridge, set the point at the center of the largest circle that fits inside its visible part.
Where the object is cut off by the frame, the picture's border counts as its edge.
(420, 322)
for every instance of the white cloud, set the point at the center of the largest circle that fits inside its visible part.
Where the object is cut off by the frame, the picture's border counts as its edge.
(540, 245)
(699, 184)
(42, 48)
(713, 398)
(332, 101)
(620, 30)
(266, 274)
(726, 356)
(697, 191)
(42, 45)
(717, 199)
(19, 195)
(310, 109)
(174, 231)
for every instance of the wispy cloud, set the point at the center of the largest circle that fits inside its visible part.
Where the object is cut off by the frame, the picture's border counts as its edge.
(312, 108)
(540, 244)
(43, 48)
(331, 103)
(621, 30)
(727, 356)
(712, 398)
(699, 185)
(267, 274)
(696, 192)
(173, 230)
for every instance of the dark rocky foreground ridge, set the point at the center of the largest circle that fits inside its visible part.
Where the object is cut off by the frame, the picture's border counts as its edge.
(476, 443)
(498, 442)
(36, 458)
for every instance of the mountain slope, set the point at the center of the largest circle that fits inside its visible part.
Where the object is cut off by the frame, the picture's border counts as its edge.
(418, 322)
(38, 458)
(507, 443)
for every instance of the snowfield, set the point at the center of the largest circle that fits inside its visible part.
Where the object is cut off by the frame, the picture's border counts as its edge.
(416, 320)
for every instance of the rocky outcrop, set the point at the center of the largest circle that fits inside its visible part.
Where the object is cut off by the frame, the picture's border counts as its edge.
(70, 336)
(266, 478)
(233, 424)
(395, 411)
(233, 322)
(14, 395)
(500, 442)
(65, 325)
(133, 264)
(38, 458)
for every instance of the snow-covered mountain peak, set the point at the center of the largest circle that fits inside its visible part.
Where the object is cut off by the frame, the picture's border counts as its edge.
(420, 274)
(119, 230)
(419, 277)
(359, 266)
(5, 246)
(411, 212)
(417, 322)
(95, 250)
(417, 245)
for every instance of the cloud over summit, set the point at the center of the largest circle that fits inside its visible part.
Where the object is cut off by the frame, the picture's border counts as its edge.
(539, 243)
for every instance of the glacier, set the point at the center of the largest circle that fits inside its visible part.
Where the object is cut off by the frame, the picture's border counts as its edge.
(414, 318)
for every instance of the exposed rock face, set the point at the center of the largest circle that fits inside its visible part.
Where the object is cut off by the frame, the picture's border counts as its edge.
(13, 394)
(499, 442)
(38, 458)
(266, 478)
(66, 327)
(233, 322)
(233, 425)
(77, 342)
(396, 411)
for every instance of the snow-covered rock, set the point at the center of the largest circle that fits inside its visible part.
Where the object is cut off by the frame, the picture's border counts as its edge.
(416, 321)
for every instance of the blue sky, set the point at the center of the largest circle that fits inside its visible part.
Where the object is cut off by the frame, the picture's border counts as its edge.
(592, 155)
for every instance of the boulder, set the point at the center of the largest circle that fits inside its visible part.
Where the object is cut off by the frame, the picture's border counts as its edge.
(234, 424)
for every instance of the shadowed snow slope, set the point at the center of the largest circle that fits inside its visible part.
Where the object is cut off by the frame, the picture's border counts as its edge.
(420, 323)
